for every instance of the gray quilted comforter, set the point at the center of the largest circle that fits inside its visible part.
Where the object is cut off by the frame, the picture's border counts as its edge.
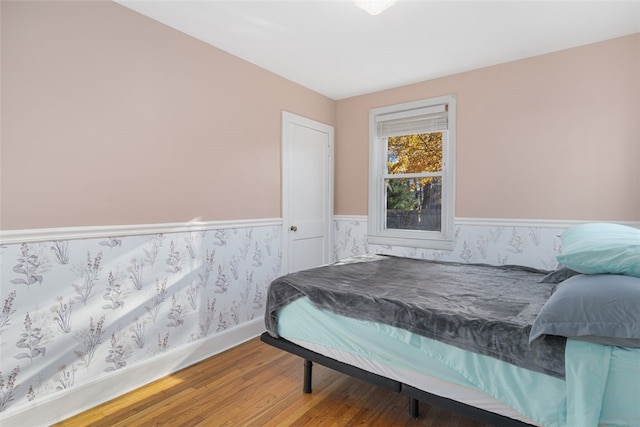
(484, 309)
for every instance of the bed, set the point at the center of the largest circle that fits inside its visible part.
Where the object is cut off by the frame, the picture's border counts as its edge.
(475, 339)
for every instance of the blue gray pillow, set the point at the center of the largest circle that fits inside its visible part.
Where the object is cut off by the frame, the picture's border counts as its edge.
(599, 308)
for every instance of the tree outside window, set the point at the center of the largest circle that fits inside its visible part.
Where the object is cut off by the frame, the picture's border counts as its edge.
(414, 203)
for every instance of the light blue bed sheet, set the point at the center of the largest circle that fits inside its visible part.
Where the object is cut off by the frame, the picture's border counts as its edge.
(602, 383)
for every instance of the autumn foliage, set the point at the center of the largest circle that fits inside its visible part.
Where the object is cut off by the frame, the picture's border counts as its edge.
(413, 199)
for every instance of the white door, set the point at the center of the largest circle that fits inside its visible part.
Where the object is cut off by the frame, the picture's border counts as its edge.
(307, 192)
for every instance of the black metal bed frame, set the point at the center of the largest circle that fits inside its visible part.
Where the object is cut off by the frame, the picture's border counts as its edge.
(415, 395)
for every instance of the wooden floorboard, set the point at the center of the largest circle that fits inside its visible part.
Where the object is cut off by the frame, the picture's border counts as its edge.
(255, 384)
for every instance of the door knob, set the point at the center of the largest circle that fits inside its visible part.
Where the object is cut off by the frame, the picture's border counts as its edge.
(294, 228)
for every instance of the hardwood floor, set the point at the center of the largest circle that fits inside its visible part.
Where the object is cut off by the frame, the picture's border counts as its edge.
(255, 384)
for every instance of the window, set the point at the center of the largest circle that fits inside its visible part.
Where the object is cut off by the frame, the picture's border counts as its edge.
(411, 174)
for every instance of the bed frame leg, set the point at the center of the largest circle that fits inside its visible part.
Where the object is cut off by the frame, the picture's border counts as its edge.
(308, 365)
(414, 408)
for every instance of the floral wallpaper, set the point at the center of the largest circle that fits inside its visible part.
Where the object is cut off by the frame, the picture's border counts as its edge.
(74, 310)
(531, 246)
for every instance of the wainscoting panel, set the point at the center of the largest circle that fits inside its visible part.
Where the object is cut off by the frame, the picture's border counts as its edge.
(533, 243)
(80, 309)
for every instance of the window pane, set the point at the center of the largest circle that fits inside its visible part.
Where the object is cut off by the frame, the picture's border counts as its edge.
(417, 153)
(414, 204)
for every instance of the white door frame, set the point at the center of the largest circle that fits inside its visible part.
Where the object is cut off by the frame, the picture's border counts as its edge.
(328, 196)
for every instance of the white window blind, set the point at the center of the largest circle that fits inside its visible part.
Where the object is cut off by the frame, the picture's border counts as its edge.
(421, 120)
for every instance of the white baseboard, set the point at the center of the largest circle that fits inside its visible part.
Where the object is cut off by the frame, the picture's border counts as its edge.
(60, 406)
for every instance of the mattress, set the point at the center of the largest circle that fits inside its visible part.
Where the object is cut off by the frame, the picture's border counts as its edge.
(485, 309)
(601, 386)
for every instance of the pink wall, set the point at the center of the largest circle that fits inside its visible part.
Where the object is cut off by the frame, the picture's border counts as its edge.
(550, 137)
(111, 118)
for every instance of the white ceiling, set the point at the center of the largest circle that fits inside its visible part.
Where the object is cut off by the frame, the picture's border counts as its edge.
(338, 50)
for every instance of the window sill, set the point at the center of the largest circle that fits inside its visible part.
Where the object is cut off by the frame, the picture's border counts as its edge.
(422, 243)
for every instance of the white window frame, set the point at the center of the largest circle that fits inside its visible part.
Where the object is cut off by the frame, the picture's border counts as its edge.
(376, 229)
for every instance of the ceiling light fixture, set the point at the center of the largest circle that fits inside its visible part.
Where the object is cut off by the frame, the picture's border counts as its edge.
(374, 7)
